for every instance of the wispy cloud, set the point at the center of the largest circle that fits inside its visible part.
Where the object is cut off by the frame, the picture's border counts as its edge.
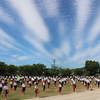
(31, 18)
(5, 17)
(95, 29)
(37, 44)
(83, 11)
(7, 41)
(51, 7)
(89, 53)
(63, 50)
(22, 58)
(62, 28)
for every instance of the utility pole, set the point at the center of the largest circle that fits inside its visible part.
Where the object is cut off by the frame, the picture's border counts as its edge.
(54, 61)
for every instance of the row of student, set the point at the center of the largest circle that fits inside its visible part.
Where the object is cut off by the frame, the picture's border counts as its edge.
(73, 80)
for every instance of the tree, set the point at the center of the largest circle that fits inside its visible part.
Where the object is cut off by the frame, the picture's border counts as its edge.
(3, 68)
(11, 69)
(91, 67)
(26, 70)
(78, 72)
(54, 70)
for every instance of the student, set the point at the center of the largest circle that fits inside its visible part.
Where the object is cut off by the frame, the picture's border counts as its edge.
(48, 82)
(43, 86)
(11, 84)
(30, 83)
(36, 89)
(5, 88)
(15, 85)
(60, 88)
(87, 83)
(23, 88)
(73, 83)
(1, 87)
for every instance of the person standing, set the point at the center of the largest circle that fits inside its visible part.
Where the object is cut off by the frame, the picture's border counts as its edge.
(23, 88)
(73, 83)
(1, 87)
(60, 88)
(36, 89)
(5, 88)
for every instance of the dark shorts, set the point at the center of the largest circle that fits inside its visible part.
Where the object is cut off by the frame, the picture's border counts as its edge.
(11, 85)
(0, 89)
(60, 88)
(74, 86)
(24, 88)
(5, 92)
(36, 91)
(43, 86)
(48, 84)
(15, 86)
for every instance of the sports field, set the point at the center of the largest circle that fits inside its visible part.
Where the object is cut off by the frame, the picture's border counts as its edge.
(52, 94)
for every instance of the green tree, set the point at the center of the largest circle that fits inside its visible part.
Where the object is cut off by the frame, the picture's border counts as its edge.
(54, 70)
(26, 70)
(91, 67)
(3, 68)
(78, 72)
(11, 69)
(64, 72)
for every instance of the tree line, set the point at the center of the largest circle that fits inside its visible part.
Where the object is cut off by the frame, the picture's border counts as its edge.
(90, 68)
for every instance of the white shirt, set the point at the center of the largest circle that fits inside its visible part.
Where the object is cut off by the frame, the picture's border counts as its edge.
(15, 83)
(23, 85)
(36, 87)
(5, 87)
(59, 85)
(0, 85)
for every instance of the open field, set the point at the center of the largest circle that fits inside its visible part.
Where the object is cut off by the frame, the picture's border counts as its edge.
(67, 89)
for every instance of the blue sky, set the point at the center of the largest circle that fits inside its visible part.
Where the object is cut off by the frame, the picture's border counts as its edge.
(39, 31)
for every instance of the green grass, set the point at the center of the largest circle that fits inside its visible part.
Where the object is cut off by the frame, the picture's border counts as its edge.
(51, 92)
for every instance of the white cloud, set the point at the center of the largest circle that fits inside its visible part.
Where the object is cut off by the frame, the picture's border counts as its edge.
(95, 30)
(89, 53)
(5, 17)
(31, 18)
(51, 7)
(22, 58)
(58, 53)
(7, 41)
(63, 50)
(83, 11)
(15, 56)
(65, 47)
(36, 43)
(62, 28)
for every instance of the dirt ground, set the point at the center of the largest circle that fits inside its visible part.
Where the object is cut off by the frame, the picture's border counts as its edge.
(87, 95)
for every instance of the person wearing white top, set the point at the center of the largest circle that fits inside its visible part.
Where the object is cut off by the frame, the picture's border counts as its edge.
(0, 87)
(15, 85)
(48, 81)
(73, 83)
(36, 89)
(23, 88)
(43, 86)
(60, 88)
(5, 88)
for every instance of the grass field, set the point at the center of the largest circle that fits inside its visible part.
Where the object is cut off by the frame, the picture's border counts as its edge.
(17, 95)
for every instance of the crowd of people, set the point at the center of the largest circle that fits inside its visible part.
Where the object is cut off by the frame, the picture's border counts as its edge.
(22, 81)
